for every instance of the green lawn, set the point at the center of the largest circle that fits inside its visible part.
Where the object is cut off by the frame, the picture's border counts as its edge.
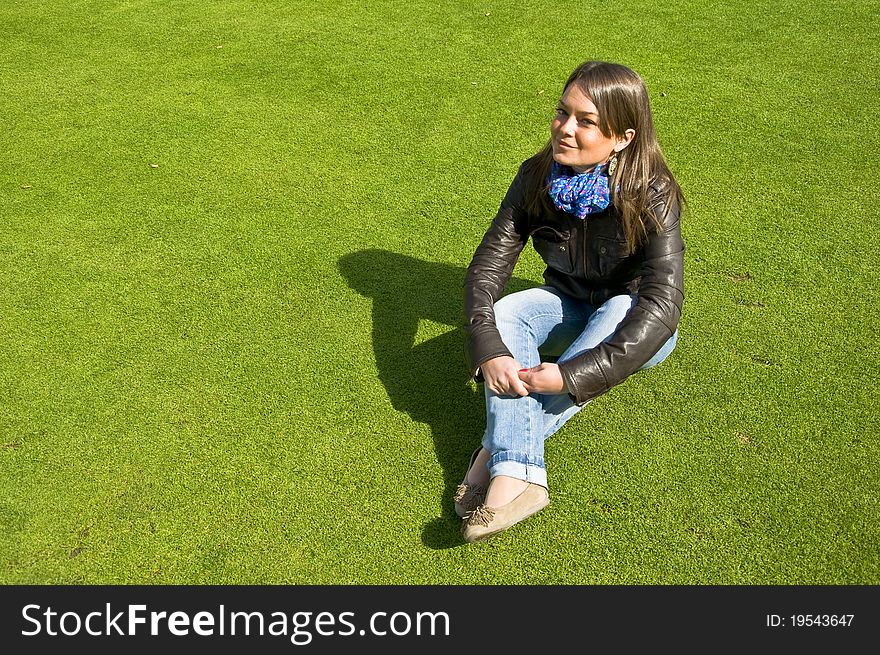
(232, 242)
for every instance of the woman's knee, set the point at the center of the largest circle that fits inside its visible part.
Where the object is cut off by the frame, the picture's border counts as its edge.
(507, 308)
(610, 314)
(523, 308)
(617, 307)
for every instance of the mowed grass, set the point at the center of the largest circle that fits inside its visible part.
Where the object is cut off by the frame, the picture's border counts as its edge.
(232, 245)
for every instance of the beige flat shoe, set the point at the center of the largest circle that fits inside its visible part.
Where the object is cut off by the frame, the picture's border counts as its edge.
(483, 522)
(469, 496)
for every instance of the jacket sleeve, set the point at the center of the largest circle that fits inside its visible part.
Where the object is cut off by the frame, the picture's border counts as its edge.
(490, 271)
(649, 324)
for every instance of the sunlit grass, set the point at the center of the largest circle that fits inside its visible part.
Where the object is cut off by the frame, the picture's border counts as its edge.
(232, 245)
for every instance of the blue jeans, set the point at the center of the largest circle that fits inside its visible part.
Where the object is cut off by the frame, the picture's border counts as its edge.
(536, 323)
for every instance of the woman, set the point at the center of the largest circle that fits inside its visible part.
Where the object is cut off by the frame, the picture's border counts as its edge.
(602, 209)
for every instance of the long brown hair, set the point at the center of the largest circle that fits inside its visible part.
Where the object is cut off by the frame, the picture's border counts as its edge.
(622, 101)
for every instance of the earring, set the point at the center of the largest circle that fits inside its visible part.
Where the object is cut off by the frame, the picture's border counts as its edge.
(612, 164)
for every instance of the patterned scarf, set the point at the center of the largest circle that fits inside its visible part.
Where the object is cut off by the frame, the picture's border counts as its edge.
(579, 194)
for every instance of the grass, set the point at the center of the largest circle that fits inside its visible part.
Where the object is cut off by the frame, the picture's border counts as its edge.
(232, 245)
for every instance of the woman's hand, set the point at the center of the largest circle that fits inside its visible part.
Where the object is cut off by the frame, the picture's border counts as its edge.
(501, 377)
(544, 378)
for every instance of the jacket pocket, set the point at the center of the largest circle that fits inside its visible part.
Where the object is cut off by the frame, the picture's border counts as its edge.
(610, 255)
(555, 248)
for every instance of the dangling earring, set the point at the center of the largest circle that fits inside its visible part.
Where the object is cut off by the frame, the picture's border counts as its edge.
(612, 164)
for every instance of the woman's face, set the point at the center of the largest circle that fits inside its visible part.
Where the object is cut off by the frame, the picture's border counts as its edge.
(575, 135)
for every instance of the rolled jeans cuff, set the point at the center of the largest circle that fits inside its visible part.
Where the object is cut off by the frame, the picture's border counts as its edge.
(504, 463)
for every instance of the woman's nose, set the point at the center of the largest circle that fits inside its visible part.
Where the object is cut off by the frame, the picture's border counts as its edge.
(568, 126)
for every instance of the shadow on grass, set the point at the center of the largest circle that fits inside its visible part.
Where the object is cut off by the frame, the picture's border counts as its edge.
(428, 380)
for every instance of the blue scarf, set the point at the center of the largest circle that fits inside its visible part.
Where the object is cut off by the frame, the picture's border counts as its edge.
(579, 194)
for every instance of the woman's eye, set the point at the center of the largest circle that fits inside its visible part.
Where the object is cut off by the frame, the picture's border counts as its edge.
(560, 111)
(585, 122)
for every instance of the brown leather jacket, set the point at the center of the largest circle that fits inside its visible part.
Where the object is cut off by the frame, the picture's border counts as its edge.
(589, 260)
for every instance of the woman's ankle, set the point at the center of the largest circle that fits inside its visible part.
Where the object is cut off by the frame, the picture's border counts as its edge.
(503, 489)
(478, 474)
